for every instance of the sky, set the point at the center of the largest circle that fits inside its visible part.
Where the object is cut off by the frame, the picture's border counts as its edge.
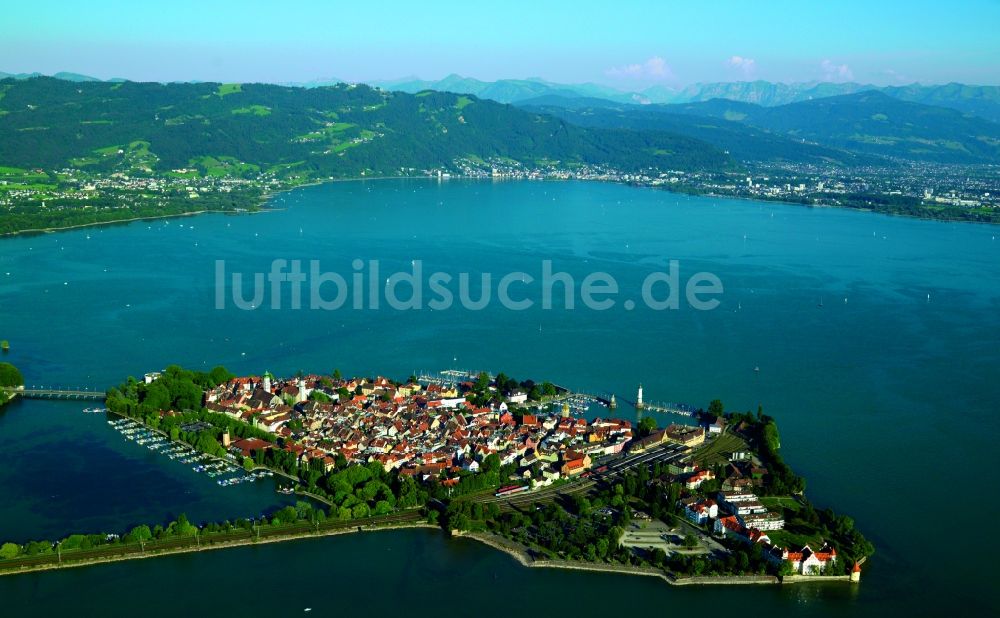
(623, 44)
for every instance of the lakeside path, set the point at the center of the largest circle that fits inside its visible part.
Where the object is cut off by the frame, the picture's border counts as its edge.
(189, 544)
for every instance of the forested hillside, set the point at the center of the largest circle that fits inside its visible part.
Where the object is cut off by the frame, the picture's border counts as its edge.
(339, 130)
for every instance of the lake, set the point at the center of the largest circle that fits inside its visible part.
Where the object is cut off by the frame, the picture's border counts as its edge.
(875, 342)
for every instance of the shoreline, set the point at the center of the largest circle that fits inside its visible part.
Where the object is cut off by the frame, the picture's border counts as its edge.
(268, 196)
(66, 228)
(491, 540)
(524, 559)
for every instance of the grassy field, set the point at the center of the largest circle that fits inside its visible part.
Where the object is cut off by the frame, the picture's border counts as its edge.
(225, 89)
(777, 503)
(223, 166)
(21, 173)
(792, 540)
(255, 110)
(333, 131)
(717, 450)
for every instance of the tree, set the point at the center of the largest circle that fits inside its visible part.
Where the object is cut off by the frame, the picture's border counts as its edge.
(715, 408)
(157, 397)
(9, 550)
(303, 510)
(139, 534)
(482, 381)
(10, 376)
(548, 389)
(219, 375)
(287, 515)
(182, 527)
(647, 425)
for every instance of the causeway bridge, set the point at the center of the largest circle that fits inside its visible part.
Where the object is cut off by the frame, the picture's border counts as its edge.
(55, 393)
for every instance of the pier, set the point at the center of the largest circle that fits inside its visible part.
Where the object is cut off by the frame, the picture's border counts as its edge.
(669, 408)
(449, 376)
(607, 399)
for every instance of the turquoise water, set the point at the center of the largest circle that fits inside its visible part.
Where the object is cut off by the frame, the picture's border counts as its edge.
(885, 401)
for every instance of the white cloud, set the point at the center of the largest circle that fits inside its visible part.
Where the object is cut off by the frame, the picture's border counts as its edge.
(896, 76)
(747, 66)
(833, 72)
(656, 68)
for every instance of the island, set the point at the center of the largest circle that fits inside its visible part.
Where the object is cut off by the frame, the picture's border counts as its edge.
(523, 466)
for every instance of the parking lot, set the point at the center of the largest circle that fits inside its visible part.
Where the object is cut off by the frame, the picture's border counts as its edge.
(650, 534)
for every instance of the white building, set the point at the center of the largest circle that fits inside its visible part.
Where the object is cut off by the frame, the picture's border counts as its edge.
(701, 512)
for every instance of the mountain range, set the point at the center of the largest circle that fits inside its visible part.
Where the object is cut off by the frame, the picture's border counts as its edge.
(352, 129)
(858, 128)
(983, 101)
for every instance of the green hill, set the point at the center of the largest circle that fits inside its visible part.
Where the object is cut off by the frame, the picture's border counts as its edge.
(743, 142)
(868, 123)
(340, 130)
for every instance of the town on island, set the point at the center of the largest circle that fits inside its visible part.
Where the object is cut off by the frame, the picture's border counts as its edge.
(530, 468)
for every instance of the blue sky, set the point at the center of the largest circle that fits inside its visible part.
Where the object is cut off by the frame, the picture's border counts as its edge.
(622, 44)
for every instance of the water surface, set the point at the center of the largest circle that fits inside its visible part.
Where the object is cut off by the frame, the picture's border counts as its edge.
(876, 339)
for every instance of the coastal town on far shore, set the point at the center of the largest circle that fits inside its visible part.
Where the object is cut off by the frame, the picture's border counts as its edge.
(36, 199)
(496, 452)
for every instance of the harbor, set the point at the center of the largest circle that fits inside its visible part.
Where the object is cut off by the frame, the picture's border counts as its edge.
(226, 473)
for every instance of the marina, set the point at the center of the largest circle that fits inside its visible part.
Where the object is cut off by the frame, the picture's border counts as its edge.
(226, 473)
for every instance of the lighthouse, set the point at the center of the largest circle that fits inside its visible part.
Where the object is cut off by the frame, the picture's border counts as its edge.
(638, 399)
(856, 573)
(612, 403)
